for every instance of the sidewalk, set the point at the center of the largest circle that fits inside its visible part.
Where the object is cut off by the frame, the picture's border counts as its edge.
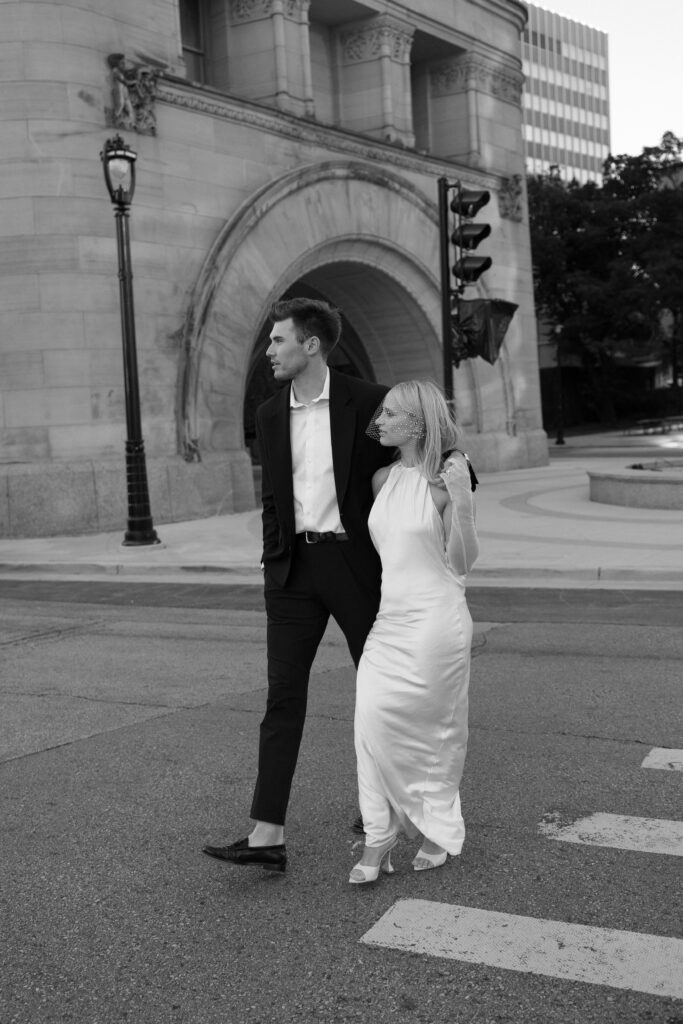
(537, 527)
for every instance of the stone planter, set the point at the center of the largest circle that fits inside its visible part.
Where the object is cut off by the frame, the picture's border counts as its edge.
(657, 484)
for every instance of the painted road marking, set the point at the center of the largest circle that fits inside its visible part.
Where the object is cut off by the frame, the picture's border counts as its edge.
(576, 952)
(664, 757)
(644, 835)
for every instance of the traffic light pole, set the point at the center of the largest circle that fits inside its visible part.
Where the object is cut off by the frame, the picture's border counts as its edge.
(466, 268)
(469, 327)
(447, 295)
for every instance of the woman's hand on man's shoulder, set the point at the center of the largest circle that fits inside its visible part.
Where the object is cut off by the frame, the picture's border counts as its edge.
(455, 471)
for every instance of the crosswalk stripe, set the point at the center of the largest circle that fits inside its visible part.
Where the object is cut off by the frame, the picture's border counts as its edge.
(664, 757)
(575, 952)
(644, 835)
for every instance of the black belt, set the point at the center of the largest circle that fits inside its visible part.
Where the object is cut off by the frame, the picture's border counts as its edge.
(311, 537)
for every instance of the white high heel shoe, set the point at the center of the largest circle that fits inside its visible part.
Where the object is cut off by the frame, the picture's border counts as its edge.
(364, 873)
(426, 861)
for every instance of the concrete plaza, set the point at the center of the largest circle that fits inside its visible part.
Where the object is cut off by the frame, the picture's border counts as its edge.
(537, 527)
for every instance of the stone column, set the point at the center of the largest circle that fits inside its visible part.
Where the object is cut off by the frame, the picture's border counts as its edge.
(280, 38)
(268, 53)
(307, 74)
(475, 107)
(375, 78)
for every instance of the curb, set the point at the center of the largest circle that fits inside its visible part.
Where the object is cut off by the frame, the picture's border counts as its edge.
(597, 575)
(127, 569)
(213, 572)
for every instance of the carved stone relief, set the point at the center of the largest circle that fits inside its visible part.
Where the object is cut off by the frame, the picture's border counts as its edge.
(380, 35)
(254, 10)
(460, 74)
(510, 198)
(133, 92)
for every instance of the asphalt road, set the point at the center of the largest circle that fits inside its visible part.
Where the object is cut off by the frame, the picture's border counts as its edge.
(130, 714)
(494, 604)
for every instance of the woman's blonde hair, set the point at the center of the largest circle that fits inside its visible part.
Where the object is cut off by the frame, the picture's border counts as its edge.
(423, 399)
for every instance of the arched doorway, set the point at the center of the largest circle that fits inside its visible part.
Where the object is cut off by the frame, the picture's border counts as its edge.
(363, 240)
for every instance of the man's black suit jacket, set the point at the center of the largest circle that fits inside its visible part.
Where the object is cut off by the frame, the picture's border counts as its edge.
(355, 458)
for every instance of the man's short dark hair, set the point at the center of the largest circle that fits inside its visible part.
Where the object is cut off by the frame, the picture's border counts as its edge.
(311, 318)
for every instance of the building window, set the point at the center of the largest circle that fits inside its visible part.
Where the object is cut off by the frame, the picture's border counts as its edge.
(192, 32)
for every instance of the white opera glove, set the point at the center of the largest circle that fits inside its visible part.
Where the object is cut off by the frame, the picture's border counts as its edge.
(462, 545)
(456, 475)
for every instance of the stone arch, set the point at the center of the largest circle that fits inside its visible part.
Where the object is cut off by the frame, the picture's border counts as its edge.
(365, 238)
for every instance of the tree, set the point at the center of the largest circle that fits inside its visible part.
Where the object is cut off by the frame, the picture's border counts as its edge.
(608, 260)
(572, 247)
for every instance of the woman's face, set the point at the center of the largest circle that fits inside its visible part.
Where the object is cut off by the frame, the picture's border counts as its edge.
(397, 428)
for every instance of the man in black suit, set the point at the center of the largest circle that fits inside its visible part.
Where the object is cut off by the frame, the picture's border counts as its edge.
(318, 559)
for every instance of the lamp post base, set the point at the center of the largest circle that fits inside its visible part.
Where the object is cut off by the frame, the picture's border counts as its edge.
(140, 526)
(136, 538)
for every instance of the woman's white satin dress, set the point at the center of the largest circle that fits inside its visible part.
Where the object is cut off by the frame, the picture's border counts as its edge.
(413, 677)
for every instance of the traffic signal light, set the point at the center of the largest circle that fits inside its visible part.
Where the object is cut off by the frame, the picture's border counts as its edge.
(470, 268)
(477, 327)
(467, 235)
(469, 201)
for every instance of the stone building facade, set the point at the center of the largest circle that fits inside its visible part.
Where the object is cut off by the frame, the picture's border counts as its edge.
(284, 147)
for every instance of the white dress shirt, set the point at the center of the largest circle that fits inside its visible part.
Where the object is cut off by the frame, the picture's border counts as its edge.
(315, 496)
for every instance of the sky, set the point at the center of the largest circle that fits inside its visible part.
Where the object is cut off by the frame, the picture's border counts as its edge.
(646, 77)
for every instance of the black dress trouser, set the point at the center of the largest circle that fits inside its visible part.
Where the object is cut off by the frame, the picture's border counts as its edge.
(321, 583)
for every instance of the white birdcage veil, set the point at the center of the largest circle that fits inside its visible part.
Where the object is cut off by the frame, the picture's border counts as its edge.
(411, 423)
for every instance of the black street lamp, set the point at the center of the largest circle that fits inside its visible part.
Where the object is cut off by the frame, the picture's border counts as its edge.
(559, 436)
(118, 162)
(675, 364)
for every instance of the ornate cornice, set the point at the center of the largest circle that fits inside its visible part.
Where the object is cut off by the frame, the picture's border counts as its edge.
(179, 93)
(460, 74)
(377, 37)
(257, 10)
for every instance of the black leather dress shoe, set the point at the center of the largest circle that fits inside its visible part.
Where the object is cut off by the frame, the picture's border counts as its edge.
(272, 858)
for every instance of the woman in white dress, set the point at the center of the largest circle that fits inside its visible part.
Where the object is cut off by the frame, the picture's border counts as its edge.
(413, 677)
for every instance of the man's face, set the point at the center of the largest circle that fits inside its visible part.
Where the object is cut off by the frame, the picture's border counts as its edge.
(287, 355)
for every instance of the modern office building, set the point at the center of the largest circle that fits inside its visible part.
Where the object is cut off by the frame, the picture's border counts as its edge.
(566, 96)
